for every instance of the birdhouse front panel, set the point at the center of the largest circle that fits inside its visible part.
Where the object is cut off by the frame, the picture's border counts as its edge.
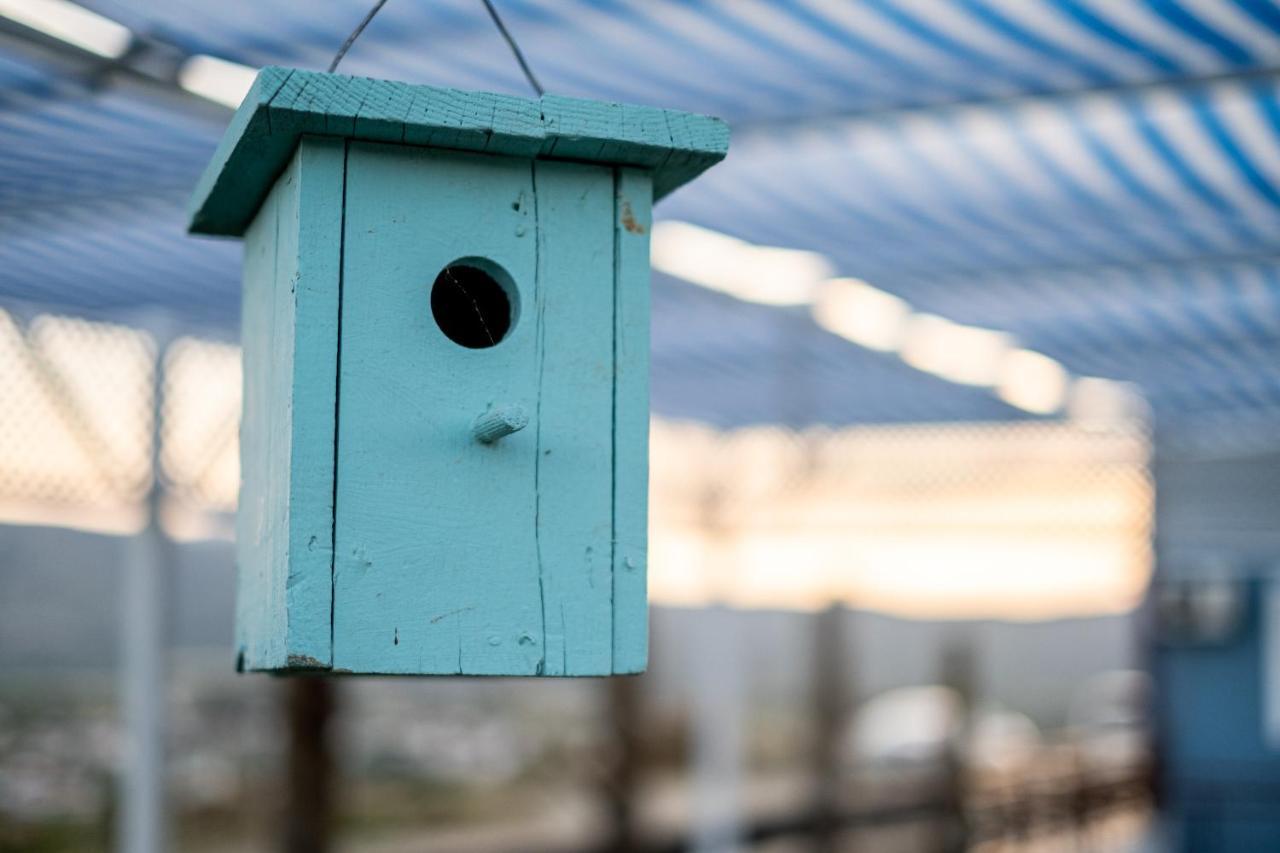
(484, 284)
(444, 442)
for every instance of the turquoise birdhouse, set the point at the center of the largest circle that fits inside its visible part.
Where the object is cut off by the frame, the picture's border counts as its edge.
(445, 339)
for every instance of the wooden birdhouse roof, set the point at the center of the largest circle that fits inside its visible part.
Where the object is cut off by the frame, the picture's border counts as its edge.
(285, 104)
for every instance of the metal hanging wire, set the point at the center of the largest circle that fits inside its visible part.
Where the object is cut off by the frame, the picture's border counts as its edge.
(355, 34)
(515, 48)
(493, 15)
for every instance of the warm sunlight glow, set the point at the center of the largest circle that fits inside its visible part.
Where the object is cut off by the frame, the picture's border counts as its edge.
(216, 79)
(765, 274)
(858, 312)
(1023, 521)
(75, 423)
(1101, 402)
(1033, 382)
(964, 354)
(70, 23)
(872, 318)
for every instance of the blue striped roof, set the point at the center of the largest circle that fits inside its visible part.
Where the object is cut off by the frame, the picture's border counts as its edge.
(728, 363)
(1100, 178)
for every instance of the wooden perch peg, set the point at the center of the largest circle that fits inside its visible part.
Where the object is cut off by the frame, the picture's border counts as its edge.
(498, 422)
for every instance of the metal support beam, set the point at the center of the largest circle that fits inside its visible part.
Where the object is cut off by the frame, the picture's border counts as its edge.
(718, 687)
(149, 69)
(145, 594)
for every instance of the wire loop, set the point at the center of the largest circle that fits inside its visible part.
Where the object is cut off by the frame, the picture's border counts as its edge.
(493, 14)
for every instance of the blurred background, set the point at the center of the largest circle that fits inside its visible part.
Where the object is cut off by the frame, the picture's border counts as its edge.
(965, 459)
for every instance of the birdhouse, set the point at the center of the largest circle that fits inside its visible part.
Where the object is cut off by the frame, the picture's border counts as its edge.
(445, 339)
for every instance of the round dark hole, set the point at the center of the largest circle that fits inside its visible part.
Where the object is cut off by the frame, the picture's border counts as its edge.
(470, 306)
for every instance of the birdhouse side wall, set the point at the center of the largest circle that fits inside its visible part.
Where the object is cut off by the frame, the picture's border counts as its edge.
(632, 222)
(290, 340)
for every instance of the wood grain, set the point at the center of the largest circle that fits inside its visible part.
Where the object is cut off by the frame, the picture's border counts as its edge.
(289, 338)
(410, 505)
(632, 222)
(575, 408)
(436, 566)
(286, 104)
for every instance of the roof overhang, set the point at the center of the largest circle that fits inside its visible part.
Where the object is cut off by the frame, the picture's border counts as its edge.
(285, 104)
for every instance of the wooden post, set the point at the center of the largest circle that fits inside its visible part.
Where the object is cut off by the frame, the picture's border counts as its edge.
(958, 674)
(309, 704)
(717, 705)
(830, 697)
(626, 715)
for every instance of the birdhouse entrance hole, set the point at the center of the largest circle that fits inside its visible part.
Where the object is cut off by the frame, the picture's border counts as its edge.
(473, 303)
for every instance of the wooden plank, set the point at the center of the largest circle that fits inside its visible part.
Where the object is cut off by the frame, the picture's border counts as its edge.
(233, 185)
(577, 129)
(517, 128)
(296, 109)
(604, 132)
(341, 103)
(284, 527)
(575, 407)
(436, 562)
(260, 608)
(632, 223)
(474, 121)
(447, 118)
(309, 281)
(697, 144)
(383, 113)
(286, 104)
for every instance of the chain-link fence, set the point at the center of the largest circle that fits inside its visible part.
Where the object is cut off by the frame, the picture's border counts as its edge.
(76, 429)
(936, 522)
(1027, 520)
(1032, 519)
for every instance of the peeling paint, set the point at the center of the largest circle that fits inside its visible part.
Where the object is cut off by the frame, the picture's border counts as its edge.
(629, 220)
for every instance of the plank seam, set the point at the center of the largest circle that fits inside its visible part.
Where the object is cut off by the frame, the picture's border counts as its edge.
(337, 397)
(272, 97)
(539, 303)
(272, 444)
(613, 432)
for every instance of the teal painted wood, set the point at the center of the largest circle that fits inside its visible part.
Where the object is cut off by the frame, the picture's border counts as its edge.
(285, 104)
(248, 178)
(473, 121)
(289, 340)
(261, 628)
(436, 562)
(696, 146)
(456, 556)
(574, 457)
(410, 505)
(632, 222)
